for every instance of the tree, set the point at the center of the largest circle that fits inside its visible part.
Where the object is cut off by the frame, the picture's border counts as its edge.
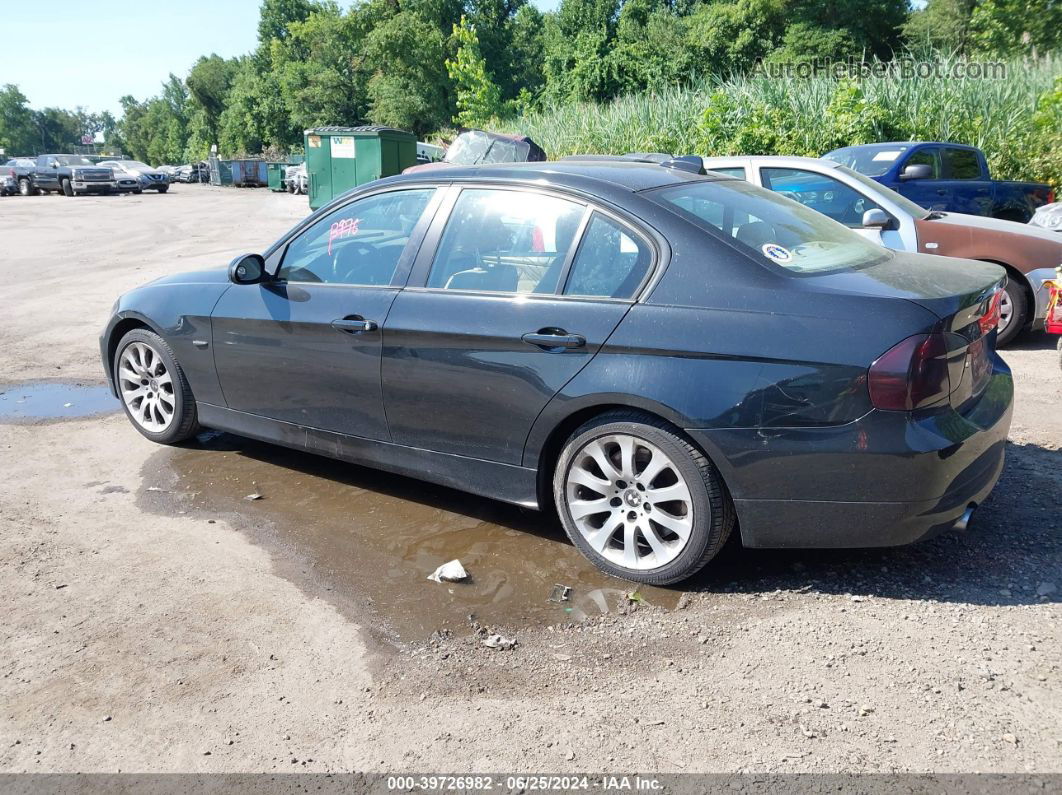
(941, 25)
(409, 87)
(478, 96)
(1013, 27)
(208, 85)
(18, 133)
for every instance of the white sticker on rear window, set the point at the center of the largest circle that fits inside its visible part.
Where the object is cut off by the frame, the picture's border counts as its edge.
(888, 155)
(776, 252)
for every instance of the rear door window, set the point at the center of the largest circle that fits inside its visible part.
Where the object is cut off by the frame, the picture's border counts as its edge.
(730, 171)
(961, 164)
(611, 261)
(508, 241)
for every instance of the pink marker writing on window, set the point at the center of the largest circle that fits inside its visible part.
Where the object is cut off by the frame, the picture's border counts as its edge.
(347, 227)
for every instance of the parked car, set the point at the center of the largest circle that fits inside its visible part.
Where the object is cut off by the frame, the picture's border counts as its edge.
(1053, 317)
(8, 181)
(194, 172)
(150, 178)
(429, 153)
(74, 175)
(23, 168)
(589, 335)
(473, 147)
(886, 217)
(1049, 217)
(297, 179)
(128, 179)
(944, 176)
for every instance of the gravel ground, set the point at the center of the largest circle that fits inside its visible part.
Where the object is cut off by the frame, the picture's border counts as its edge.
(141, 639)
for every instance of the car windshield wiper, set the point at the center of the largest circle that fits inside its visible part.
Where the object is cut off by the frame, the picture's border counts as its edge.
(933, 216)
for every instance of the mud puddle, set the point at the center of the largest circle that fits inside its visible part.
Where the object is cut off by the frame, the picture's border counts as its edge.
(370, 539)
(34, 401)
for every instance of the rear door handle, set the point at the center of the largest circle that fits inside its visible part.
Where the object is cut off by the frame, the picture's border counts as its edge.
(354, 325)
(554, 338)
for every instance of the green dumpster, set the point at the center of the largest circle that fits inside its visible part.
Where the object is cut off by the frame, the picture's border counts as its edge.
(276, 175)
(341, 158)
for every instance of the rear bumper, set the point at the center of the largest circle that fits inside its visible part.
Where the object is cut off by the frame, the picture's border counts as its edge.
(886, 479)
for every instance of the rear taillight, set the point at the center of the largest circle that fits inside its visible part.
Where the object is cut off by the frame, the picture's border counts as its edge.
(990, 319)
(911, 375)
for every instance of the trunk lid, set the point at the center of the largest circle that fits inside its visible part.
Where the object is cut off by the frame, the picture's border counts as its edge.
(963, 294)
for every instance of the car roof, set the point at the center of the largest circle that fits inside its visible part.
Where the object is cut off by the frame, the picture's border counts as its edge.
(576, 174)
(792, 160)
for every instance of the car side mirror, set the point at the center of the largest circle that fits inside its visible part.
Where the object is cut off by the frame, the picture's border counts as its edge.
(916, 171)
(875, 219)
(54, 164)
(247, 269)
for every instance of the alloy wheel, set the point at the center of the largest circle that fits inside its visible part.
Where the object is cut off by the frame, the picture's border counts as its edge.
(629, 501)
(146, 386)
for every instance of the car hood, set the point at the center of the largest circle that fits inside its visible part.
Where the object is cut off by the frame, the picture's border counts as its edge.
(996, 225)
(943, 285)
(210, 276)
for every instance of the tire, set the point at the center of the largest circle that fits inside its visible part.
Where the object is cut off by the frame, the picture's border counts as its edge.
(1060, 352)
(658, 555)
(144, 356)
(68, 190)
(163, 188)
(25, 187)
(137, 191)
(1019, 313)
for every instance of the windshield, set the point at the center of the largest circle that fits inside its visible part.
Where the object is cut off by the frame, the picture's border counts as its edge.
(905, 204)
(73, 160)
(772, 229)
(468, 149)
(870, 160)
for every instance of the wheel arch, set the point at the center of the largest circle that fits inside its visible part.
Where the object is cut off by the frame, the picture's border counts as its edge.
(118, 330)
(544, 444)
(1015, 275)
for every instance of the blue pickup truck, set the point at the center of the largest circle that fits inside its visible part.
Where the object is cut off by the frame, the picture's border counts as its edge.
(942, 176)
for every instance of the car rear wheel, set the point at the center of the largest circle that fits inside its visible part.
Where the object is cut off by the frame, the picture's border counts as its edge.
(68, 189)
(1013, 313)
(639, 500)
(154, 391)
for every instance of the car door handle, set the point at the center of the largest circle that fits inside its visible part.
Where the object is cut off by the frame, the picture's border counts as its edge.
(354, 325)
(554, 338)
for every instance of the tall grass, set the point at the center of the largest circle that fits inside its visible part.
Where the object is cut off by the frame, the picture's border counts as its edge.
(1017, 121)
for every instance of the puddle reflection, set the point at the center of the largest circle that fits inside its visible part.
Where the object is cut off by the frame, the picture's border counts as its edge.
(372, 535)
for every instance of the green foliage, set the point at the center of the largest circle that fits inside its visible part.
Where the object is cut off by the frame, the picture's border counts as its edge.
(1016, 121)
(18, 133)
(478, 96)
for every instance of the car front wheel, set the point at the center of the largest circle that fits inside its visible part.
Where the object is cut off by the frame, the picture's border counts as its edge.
(639, 500)
(154, 391)
(68, 189)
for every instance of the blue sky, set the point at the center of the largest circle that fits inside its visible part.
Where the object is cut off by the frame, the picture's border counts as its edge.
(137, 43)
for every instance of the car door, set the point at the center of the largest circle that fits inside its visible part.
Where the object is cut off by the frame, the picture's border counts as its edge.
(516, 297)
(304, 347)
(831, 197)
(964, 188)
(45, 175)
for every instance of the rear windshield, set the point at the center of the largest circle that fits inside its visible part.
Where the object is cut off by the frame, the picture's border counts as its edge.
(774, 230)
(872, 160)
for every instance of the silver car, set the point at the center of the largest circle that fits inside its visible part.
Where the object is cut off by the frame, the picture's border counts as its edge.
(149, 178)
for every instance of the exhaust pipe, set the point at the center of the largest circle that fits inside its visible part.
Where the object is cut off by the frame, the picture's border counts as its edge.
(963, 521)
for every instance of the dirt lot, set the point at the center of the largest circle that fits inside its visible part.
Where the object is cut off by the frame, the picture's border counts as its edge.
(156, 620)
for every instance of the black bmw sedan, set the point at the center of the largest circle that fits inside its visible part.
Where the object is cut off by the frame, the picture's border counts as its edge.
(660, 354)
